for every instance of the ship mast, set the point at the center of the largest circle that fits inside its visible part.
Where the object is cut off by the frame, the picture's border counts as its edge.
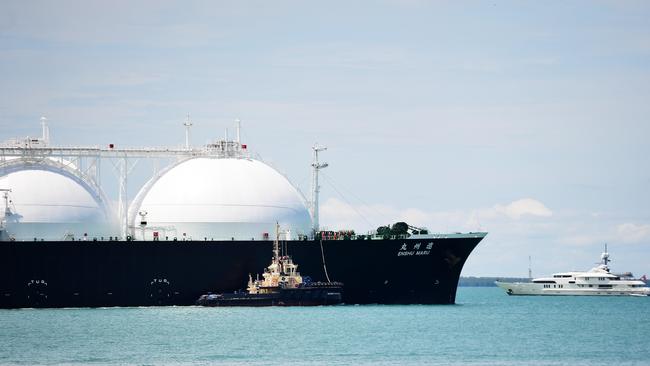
(46, 130)
(276, 245)
(315, 188)
(5, 195)
(187, 125)
(238, 125)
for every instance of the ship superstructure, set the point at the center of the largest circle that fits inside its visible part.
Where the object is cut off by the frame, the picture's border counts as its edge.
(281, 273)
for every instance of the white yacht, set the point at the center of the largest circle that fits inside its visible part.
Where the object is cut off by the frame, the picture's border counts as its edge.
(598, 281)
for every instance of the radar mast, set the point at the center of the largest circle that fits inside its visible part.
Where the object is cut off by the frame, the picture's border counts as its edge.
(315, 188)
(605, 257)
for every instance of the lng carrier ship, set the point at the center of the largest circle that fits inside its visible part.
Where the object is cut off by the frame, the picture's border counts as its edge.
(199, 224)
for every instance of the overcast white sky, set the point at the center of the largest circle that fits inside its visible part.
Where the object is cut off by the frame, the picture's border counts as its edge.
(525, 119)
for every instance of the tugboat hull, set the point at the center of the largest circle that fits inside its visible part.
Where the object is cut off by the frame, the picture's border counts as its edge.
(289, 297)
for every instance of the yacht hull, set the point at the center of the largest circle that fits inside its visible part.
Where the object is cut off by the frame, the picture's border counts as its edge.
(532, 289)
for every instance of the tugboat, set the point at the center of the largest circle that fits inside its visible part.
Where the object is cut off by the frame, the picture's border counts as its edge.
(281, 285)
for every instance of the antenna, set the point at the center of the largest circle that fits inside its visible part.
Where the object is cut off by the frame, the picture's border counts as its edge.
(605, 257)
(5, 195)
(187, 125)
(46, 130)
(315, 188)
(238, 124)
(276, 245)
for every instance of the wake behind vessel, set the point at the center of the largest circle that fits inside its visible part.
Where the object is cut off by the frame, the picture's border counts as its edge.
(598, 281)
(199, 224)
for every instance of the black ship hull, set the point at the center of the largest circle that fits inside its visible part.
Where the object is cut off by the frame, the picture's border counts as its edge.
(136, 273)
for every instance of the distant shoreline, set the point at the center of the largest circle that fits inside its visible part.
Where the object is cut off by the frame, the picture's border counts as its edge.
(487, 281)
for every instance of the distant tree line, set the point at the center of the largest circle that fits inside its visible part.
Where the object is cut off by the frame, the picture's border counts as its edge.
(487, 281)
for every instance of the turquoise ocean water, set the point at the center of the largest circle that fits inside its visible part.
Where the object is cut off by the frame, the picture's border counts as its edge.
(486, 327)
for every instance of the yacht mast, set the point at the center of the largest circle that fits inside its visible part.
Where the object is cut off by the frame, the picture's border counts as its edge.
(605, 257)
